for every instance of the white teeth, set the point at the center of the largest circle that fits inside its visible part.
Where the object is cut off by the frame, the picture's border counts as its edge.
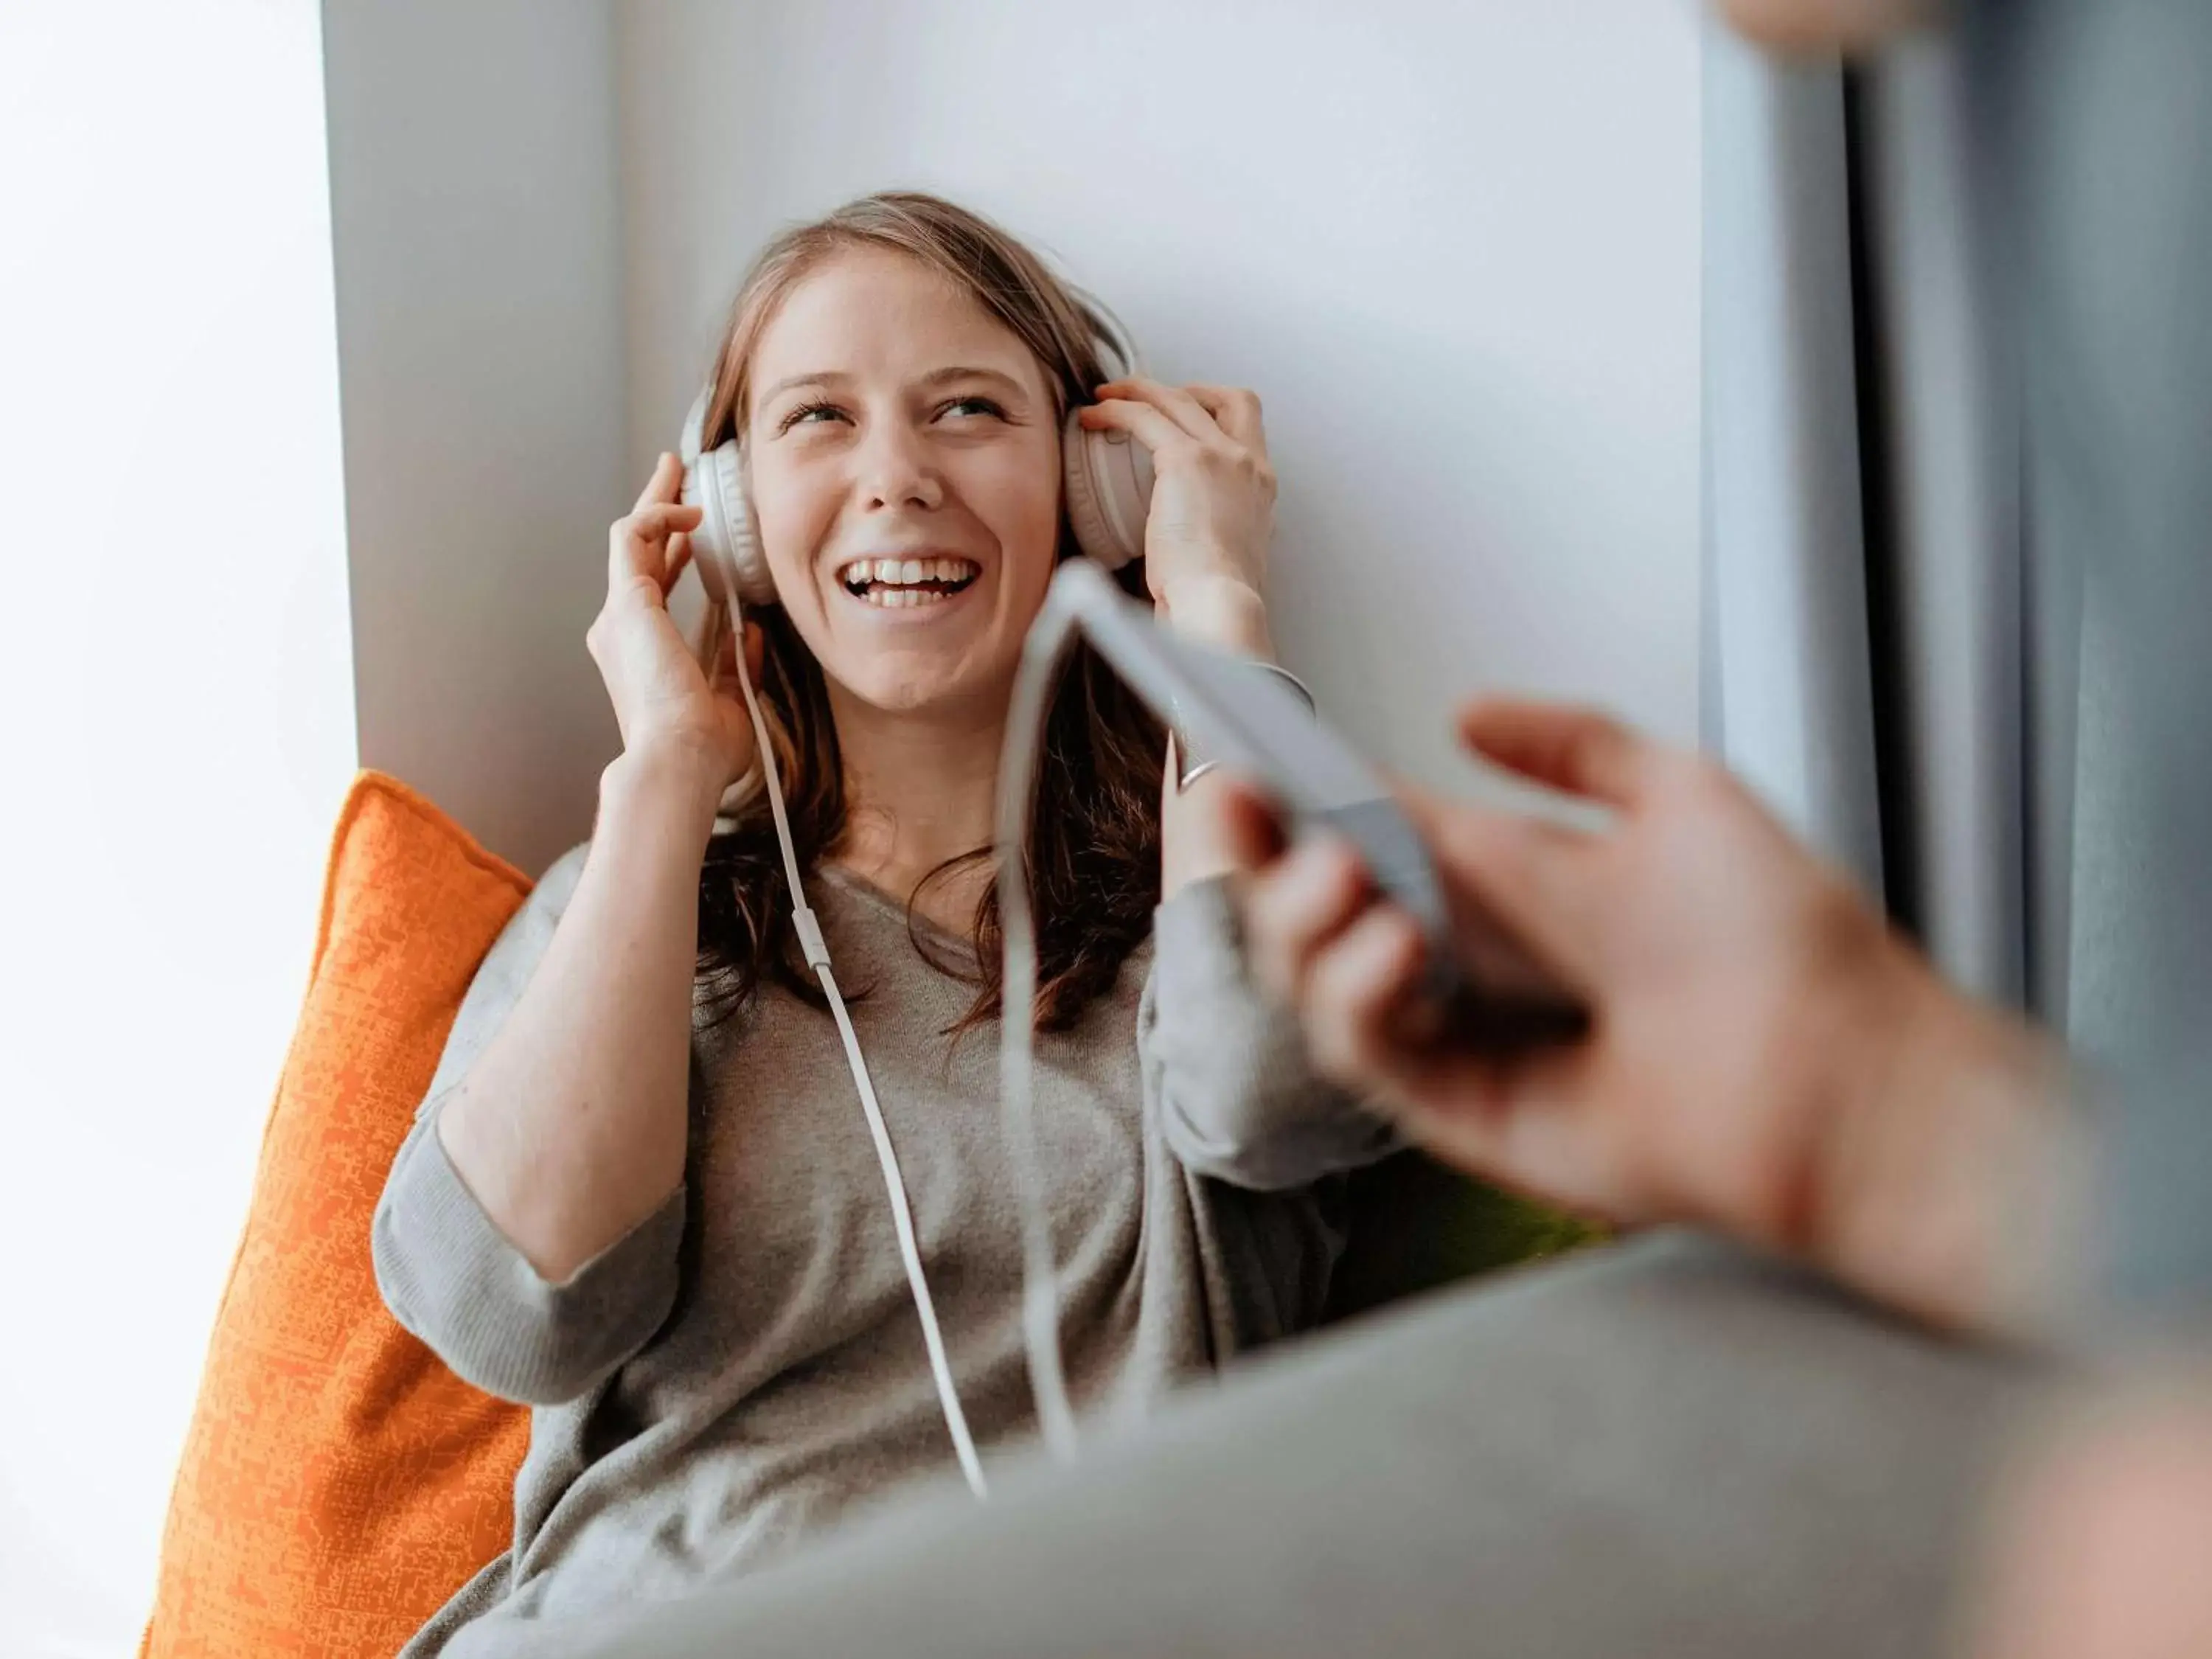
(896, 583)
(904, 599)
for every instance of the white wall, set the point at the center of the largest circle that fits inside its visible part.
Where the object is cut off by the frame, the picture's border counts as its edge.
(472, 164)
(177, 725)
(1454, 244)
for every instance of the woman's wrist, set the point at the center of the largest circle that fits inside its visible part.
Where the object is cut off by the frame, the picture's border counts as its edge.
(671, 785)
(1224, 611)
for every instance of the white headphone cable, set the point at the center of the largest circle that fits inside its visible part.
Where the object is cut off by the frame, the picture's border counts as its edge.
(1048, 640)
(818, 957)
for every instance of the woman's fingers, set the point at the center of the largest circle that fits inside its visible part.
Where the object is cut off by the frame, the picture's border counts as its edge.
(638, 544)
(1194, 419)
(649, 540)
(666, 482)
(722, 676)
(1236, 411)
(654, 524)
(1139, 420)
(1577, 750)
(726, 654)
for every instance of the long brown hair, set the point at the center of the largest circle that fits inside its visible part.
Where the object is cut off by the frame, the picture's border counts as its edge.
(1094, 839)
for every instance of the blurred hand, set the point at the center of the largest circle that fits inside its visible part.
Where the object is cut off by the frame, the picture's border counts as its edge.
(1827, 25)
(664, 699)
(1764, 1055)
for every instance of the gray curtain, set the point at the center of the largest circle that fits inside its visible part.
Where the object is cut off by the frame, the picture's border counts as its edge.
(1870, 607)
(1959, 524)
(2098, 118)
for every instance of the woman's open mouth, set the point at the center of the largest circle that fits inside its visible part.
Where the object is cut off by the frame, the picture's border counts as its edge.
(899, 584)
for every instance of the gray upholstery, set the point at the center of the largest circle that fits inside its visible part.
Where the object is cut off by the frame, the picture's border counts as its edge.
(1664, 1447)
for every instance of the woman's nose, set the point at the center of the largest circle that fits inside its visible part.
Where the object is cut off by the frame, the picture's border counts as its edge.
(895, 471)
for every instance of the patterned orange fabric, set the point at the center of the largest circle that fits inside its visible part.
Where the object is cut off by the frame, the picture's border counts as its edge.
(338, 1483)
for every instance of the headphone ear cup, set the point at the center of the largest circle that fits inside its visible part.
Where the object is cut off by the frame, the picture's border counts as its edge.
(732, 536)
(1108, 478)
(726, 547)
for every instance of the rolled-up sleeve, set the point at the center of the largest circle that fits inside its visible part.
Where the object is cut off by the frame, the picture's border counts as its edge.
(1226, 1065)
(452, 1278)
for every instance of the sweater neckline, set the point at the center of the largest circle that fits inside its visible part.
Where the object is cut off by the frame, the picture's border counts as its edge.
(881, 900)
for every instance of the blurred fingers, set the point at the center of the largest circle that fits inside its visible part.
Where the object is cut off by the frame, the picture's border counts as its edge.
(1252, 831)
(1297, 905)
(1536, 881)
(1357, 995)
(1577, 749)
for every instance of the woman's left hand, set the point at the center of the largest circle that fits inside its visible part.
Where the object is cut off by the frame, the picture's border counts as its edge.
(1213, 496)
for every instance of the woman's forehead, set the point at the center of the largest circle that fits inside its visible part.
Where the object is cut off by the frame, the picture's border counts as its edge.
(873, 313)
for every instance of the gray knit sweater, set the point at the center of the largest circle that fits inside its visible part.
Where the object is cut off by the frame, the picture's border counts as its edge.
(745, 1368)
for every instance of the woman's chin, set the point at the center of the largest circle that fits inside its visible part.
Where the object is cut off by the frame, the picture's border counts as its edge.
(912, 681)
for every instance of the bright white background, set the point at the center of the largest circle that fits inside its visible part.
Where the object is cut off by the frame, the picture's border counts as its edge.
(176, 720)
(1454, 243)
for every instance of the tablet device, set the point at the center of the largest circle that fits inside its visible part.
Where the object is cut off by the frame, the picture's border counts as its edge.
(1258, 726)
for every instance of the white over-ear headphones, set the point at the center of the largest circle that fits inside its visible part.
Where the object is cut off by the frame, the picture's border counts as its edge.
(1108, 480)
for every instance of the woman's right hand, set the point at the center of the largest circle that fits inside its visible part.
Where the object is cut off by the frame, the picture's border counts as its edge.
(663, 701)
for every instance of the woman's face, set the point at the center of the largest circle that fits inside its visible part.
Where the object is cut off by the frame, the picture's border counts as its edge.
(903, 453)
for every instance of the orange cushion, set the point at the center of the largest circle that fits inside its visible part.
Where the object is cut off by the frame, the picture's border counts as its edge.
(338, 1483)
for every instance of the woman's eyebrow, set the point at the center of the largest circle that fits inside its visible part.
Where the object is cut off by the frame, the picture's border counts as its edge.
(939, 376)
(792, 382)
(831, 377)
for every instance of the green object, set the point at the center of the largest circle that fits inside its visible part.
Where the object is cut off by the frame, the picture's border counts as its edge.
(1416, 1224)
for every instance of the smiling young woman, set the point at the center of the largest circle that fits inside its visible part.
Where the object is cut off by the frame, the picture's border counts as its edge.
(640, 1194)
(900, 419)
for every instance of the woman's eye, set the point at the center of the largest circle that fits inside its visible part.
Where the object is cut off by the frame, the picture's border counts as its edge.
(806, 414)
(977, 405)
